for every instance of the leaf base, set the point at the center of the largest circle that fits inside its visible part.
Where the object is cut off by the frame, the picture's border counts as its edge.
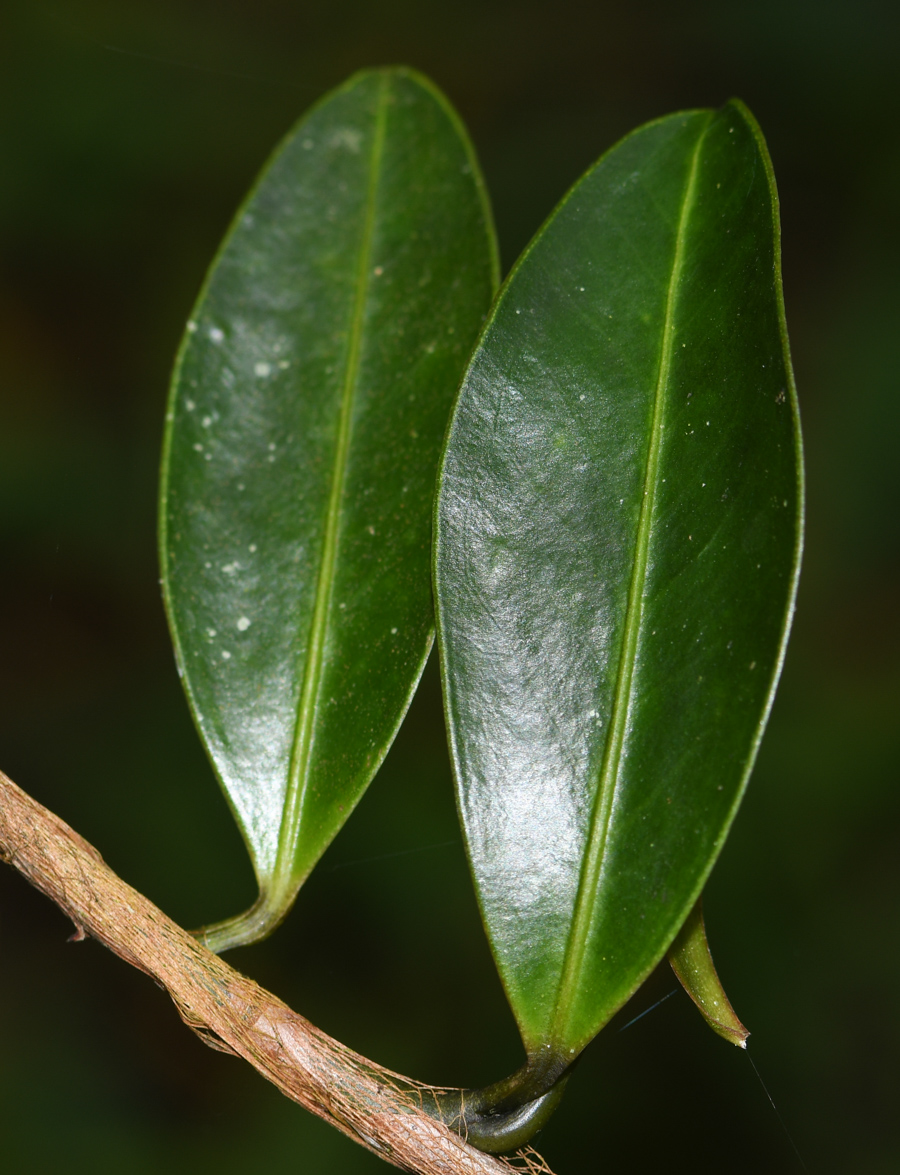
(257, 922)
(506, 1115)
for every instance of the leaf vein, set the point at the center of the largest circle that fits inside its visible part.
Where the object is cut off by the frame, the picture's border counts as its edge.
(601, 817)
(301, 752)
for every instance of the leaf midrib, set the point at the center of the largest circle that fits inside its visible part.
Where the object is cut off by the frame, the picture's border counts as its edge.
(576, 944)
(301, 751)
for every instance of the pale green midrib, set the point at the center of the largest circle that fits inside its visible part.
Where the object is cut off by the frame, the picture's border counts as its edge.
(298, 771)
(600, 819)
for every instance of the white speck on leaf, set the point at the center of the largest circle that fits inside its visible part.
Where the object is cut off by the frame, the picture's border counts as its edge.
(226, 656)
(243, 624)
(252, 548)
(262, 369)
(216, 336)
(347, 137)
(211, 632)
(198, 447)
(192, 326)
(206, 421)
(393, 632)
(231, 568)
(190, 405)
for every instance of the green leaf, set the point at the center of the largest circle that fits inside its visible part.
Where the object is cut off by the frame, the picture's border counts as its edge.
(693, 964)
(308, 407)
(617, 548)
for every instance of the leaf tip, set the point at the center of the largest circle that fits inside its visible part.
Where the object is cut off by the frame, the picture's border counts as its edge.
(693, 965)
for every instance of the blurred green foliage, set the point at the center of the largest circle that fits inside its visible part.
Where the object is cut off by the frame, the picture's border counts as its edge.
(128, 133)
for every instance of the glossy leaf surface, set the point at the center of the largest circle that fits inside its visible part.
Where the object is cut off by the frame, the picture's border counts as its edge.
(617, 543)
(309, 404)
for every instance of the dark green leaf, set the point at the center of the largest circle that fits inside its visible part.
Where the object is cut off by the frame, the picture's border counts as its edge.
(308, 407)
(618, 535)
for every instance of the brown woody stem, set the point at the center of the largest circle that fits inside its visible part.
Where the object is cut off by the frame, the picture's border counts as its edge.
(382, 1111)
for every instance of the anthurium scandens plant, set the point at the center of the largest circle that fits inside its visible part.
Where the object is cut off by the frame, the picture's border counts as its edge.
(616, 533)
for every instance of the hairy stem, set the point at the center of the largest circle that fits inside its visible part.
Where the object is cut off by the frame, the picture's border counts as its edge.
(390, 1115)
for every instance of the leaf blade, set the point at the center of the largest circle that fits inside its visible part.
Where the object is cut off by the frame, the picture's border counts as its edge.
(307, 411)
(540, 562)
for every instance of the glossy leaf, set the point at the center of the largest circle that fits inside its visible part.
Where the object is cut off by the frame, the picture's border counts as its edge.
(617, 544)
(693, 964)
(309, 404)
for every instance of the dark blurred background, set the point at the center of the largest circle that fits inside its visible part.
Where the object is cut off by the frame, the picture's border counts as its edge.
(129, 131)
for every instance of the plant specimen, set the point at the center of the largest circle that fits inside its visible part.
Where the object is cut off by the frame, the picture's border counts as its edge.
(589, 484)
